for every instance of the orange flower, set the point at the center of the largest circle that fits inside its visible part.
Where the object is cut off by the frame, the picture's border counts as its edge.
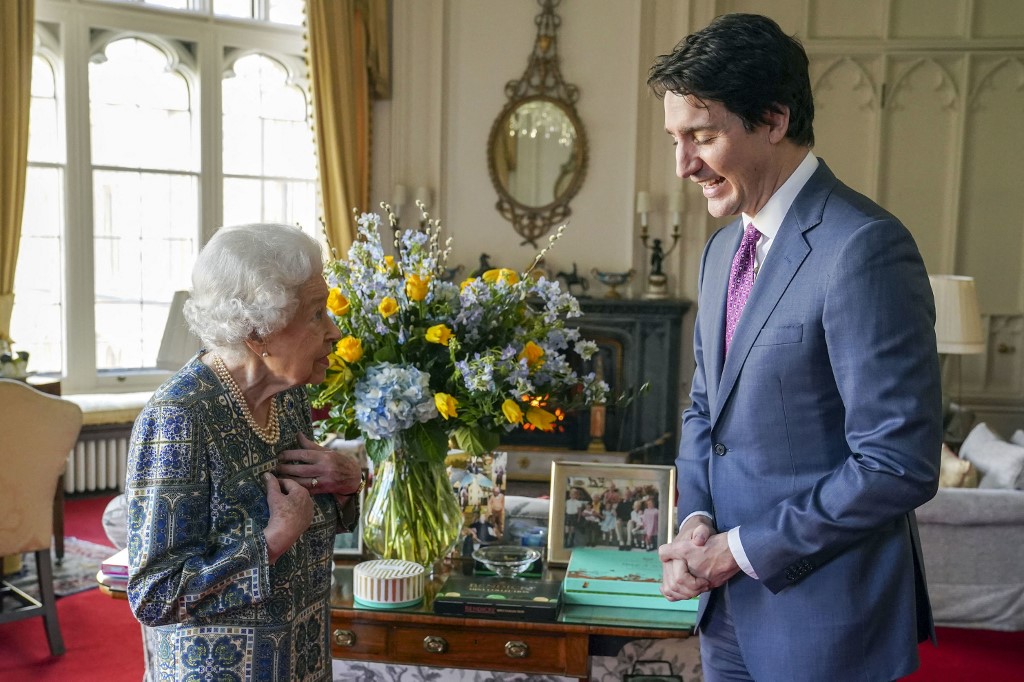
(533, 353)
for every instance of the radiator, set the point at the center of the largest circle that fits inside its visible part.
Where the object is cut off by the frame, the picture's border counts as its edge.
(97, 464)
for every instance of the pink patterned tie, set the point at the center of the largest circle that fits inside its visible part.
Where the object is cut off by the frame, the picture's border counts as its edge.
(741, 279)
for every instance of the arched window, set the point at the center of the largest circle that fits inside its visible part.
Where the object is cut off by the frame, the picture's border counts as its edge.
(139, 148)
(37, 320)
(145, 177)
(268, 160)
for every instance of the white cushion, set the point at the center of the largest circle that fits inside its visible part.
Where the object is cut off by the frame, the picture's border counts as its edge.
(1000, 463)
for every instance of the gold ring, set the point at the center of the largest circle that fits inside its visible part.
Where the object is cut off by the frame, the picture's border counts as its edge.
(312, 484)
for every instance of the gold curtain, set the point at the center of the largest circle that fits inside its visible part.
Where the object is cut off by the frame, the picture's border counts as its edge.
(16, 37)
(348, 59)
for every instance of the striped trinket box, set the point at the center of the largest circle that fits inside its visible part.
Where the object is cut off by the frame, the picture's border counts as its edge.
(387, 583)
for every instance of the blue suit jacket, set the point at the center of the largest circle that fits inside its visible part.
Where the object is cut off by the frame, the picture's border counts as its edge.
(818, 436)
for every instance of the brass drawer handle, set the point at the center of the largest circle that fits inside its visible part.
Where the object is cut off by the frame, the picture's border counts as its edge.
(435, 645)
(517, 649)
(344, 638)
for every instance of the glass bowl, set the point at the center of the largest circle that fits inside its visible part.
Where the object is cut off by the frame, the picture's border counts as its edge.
(507, 561)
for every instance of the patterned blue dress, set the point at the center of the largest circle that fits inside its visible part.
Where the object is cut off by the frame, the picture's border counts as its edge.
(199, 574)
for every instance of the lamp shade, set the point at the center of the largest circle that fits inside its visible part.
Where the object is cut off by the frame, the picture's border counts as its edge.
(957, 317)
(178, 344)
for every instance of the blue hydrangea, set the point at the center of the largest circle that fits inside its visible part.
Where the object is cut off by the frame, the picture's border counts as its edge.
(391, 398)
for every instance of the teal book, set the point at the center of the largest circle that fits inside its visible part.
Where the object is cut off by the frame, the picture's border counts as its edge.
(474, 596)
(600, 577)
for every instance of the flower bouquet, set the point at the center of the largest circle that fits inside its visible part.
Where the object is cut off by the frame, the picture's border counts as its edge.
(424, 363)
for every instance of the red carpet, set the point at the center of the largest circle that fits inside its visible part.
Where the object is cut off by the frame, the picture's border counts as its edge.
(104, 642)
(972, 656)
(102, 638)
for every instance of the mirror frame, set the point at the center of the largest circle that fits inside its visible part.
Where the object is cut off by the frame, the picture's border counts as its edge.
(542, 81)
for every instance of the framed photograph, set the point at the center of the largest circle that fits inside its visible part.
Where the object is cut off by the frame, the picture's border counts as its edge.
(351, 544)
(618, 507)
(479, 483)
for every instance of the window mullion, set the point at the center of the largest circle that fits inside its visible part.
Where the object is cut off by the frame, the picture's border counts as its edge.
(211, 65)
(79, 294)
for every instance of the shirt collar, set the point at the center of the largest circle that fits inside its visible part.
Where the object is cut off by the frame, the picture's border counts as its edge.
(769, 219)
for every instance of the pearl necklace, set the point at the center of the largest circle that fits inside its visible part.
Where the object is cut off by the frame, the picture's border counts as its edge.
(268, 434)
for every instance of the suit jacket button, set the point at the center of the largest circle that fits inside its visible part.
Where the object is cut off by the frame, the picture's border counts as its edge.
(719, 449)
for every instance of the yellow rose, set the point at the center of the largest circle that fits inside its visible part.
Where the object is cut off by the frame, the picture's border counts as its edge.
(439, 333)
(512, 412)
(533, 353)
(389, 264)
(336, 302)
(350, 349)
(416, 287)
(501, 275)
(388, 307)
(446, 405)
(542, 419)
(466, 282)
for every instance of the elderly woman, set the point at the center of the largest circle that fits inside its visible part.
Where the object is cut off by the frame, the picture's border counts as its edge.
(232, 508)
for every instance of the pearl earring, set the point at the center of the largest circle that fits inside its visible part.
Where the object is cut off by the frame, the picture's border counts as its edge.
(266, 354)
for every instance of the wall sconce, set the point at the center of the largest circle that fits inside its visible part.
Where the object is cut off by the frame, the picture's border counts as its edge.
(398, 199)
(423, 196)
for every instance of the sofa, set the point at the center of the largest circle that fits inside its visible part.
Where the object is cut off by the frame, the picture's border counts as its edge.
(973, 537)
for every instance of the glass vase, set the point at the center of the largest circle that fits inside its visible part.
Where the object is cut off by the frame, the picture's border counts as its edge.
(411, 511)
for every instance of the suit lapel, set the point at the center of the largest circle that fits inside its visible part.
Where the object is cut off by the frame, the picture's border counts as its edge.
(787, 253)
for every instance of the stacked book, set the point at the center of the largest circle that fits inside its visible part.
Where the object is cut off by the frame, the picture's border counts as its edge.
(600, 577)
(115, 570)
(475, 596)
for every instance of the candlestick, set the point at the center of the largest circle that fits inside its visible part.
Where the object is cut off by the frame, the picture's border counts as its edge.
(643, 205)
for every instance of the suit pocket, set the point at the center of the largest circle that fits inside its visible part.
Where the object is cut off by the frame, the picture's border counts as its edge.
(774, 336)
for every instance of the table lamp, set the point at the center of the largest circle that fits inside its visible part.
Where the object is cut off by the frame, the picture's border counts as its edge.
(957, 327)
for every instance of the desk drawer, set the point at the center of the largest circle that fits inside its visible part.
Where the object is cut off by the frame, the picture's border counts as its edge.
(350, 640)
(493, 649)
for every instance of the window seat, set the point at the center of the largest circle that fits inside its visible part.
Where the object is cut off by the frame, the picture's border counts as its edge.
(109, 409)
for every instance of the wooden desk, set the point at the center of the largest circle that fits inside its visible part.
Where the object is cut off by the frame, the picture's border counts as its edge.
(416, 636)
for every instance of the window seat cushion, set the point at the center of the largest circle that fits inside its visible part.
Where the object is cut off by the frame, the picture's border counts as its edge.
(101, 409)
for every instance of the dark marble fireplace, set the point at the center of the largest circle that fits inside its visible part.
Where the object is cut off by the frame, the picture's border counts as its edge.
(639, 341)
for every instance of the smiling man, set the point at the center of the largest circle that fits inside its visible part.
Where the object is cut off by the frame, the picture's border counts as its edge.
(815, 421)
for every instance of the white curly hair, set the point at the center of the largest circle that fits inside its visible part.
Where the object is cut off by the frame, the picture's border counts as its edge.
(246, 283)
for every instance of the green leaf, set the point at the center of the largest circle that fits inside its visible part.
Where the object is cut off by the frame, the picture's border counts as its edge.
(385, 354)
(429, 439)
(379, 450)
(475, 441)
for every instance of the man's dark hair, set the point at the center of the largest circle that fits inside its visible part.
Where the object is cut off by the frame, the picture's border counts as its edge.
(748, 64)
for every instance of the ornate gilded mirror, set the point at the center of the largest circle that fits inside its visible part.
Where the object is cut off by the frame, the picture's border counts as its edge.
(537, 149)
